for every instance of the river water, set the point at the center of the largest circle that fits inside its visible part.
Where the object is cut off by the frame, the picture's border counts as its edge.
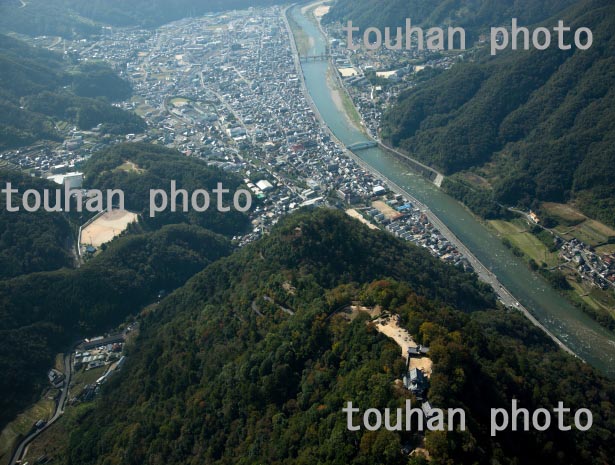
(578, 331)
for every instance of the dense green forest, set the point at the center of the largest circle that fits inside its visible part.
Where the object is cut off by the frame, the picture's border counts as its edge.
(96, 79)
(37, 88)
(155, 168)
(154, 12)
(221, 374)
(538, 124)
(41, 241)
(475, 16)
(40, 313)
(44, 17)
(70, 18)
(31, 241)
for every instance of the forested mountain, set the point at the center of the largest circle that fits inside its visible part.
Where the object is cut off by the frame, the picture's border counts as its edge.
(37, 88)
(41, 313)
(476, 16)
(44, 17)
(68, 18)
(154, 167)
(154, 12)
(31, 241)
(539, 124)
(41, 241)
(222, 374)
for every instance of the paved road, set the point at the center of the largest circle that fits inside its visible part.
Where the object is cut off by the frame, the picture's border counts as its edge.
(483, 273)
(19, 452)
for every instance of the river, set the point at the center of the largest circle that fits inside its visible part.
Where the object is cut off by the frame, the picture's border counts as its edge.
(574, 328)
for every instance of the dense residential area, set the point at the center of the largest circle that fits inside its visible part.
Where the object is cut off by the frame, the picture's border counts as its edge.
(225, 89)
(428, 234)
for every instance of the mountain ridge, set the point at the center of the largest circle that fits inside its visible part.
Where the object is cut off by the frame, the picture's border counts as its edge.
(78, 18)
(476, 16)
(536, 124)
(241, 386)
(46, 307)
(39, 88)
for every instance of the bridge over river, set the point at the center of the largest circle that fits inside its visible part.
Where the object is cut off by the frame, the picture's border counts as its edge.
(318, 57)
(534, 296)
(362, 145)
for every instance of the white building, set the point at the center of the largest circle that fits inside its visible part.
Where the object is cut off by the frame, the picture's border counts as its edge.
(264, 185)
(69, 180)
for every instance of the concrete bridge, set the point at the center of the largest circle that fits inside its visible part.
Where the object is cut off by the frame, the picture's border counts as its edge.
(362, 145)
(321, 57)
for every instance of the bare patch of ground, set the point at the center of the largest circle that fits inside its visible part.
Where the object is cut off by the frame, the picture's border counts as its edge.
(356, 215)
(106, 227)
(388, 325)
(389, 212)
(321, 10)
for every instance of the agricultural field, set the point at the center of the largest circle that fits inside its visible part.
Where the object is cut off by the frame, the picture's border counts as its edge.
(564, 213)
(606, 249)
(42, 410)
(573, 224)
(142, 108)
(474, 179)
(597, 299)
(84, 377)
(517, 232)
(52, 443)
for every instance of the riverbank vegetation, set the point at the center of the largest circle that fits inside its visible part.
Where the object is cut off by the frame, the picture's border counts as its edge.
(538, 124)
(302, 40)
(537, 247)
(343, 100)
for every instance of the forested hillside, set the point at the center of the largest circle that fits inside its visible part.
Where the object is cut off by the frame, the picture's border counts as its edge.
(222, 374)
(68, 18)
(40, 313)
(154, 12)
(32, 241)
(476, 16)
(539, 125)
(39, 88)
(42, 241)
(138, 168)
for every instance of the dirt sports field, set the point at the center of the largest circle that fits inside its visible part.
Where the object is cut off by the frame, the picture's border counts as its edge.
(389, 212)
(106, 227)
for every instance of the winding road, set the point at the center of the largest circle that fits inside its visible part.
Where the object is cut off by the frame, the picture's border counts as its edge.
(19, 451)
